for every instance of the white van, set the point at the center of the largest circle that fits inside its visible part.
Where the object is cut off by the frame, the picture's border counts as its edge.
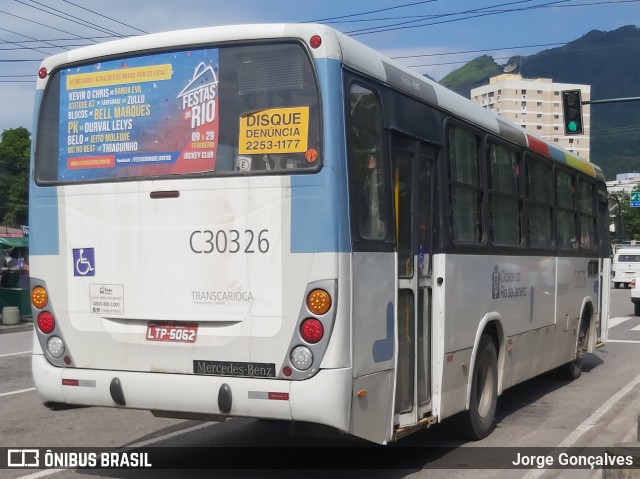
(625, 265)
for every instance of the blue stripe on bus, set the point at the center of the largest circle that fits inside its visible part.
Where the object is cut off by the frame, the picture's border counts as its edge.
(43, 207)
(383, 348)
(319, 208)
(557, 155)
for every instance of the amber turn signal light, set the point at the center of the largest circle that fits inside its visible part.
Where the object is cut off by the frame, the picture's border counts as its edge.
(39, 297)
(318, 302)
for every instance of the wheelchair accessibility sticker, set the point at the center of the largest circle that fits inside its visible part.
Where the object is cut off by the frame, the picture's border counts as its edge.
(84, 262)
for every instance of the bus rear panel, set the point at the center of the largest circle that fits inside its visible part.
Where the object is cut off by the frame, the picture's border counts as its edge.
(170, 197)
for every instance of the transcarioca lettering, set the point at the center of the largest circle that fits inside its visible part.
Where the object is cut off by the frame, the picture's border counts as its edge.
(203, 296)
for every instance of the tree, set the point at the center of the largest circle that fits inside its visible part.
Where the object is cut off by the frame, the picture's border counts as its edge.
(15, 150)
(630, 216)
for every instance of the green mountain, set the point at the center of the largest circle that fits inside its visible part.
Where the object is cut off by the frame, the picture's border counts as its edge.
(610, 63)
(474, 74)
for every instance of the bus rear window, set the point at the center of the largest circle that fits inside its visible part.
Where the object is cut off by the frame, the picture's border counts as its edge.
(628, 258)
(249, 109)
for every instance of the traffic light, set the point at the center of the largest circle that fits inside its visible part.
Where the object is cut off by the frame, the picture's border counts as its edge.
(572, 112)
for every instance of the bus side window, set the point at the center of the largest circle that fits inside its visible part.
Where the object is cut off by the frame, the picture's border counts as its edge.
(465, 191)
(565, 210)
(366, 168)
(539, 187)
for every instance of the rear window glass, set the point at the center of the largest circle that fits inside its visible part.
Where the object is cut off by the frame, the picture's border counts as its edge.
(628, 258)
(233, 109)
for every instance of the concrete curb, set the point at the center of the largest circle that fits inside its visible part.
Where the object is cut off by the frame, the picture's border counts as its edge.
(16, 328)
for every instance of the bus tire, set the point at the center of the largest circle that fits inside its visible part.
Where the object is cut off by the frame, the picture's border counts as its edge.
(573, 369)
(484, 391)
(636, 309)
(616, 285)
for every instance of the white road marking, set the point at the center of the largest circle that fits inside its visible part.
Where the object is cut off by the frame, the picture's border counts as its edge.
(15, 354)
(588, 423)
(17, 392)
(616, 321)
(169, 435)
(46, 472)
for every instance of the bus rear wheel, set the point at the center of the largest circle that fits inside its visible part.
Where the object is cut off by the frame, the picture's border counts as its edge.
(484, 391)
(573, 369)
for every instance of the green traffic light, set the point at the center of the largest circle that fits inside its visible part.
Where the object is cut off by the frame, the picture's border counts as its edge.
(572, 126)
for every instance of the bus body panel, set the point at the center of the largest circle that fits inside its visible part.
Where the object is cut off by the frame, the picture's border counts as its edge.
(370, 417)
(574, 285)
(373, 313)
(374, 344)
(184, 282)
(174, 259)
(509, 285)
(478, 289)
(605, 298)
(171, 393)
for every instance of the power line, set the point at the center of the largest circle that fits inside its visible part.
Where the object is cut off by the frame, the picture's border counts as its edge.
(451, 63)
(102, 37)
(435, 16)
(67, 17)
(371, 11)
(22, 46)
(105, 16)
(31, 21)
(16, 43)
(488, 12)
(476, 51)
(71, 18)
(543, 52)
(405, 25)
(425, 17)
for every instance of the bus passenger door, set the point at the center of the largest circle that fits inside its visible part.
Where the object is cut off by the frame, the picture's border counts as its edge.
(412, 175)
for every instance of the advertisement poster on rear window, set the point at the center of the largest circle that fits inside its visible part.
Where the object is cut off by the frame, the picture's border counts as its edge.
(153, 115)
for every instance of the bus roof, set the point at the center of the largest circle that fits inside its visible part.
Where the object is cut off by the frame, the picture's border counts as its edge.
(367, 60)
(353, 54)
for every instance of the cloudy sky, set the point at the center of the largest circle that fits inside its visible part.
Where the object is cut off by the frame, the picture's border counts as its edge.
(433, 37)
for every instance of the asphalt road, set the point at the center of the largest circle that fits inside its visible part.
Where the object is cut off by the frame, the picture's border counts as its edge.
(598, 410)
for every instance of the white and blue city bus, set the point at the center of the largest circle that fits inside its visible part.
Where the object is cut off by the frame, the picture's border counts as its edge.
(275, 221)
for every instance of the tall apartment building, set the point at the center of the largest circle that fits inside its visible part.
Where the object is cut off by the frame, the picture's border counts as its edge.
(536, 104)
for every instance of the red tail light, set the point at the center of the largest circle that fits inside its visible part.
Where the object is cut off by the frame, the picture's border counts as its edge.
(46, 322)
(311, 330)
(315, 41)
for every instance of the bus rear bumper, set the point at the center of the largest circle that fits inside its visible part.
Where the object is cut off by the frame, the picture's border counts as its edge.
(322, 399)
